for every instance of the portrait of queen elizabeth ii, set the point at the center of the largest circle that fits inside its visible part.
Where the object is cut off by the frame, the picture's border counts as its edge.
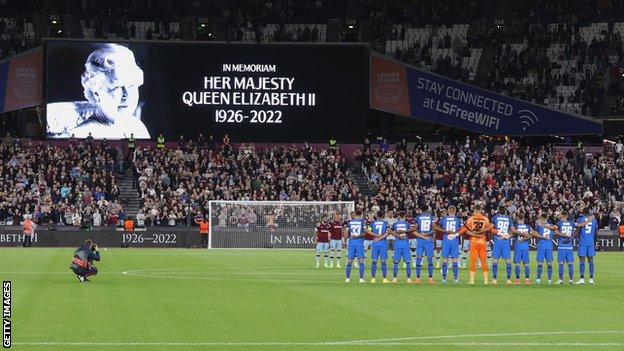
(112, 109)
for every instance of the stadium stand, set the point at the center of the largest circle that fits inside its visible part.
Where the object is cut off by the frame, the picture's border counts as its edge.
(510, 174)
(170, 179)
(554, 53)
(67, 185)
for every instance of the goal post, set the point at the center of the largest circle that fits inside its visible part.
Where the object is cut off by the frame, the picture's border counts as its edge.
(269, 224)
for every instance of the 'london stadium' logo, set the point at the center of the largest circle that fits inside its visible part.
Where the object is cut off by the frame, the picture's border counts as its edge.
(25, 83)
(388, 89)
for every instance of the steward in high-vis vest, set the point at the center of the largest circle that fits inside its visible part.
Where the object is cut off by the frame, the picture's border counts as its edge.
(28, 231)
(131, 145)
(204, 226)
(128, 225)
(160, 141)
(333, 143)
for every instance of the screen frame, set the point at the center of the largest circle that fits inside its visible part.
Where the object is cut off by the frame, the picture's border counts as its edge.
(365, 73)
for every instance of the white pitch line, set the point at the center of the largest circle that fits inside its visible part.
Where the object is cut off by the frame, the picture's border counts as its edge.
(135, 274)
(455, 336)
(167, 274)
(371, 342)
(289, 344)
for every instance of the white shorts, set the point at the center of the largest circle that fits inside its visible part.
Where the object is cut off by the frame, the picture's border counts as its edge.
(466, 245)
(412, 243)
(438, 243)
(367, 244)
(335, 244)
(322, 247)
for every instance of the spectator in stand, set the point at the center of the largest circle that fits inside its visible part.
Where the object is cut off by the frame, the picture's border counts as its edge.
(54, 183)
(524, 178)
(140, 219)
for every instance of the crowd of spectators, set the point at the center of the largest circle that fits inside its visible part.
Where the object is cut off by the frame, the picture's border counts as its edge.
(271, 217)
(12, 37)
(425, 11)
(172, 179)
(530, 74)
(76, 184)
(523, 178)
(59, 185)
(448, 66)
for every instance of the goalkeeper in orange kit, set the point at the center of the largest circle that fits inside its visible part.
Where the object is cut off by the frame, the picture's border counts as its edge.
(477, 228)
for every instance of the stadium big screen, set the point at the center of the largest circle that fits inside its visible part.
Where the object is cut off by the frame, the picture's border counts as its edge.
(267, 92)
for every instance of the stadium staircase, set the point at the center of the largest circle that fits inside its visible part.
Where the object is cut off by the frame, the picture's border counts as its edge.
(359, 178)
(129, 196)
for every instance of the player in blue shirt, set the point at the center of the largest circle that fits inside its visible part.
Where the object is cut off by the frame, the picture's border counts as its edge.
(355, 230)
(449, 225)
(565, 247)
(544, 237)
(401, 248)
(503, 227)
(523, 234)
(424, 242)
(588, 227)
(379, 248)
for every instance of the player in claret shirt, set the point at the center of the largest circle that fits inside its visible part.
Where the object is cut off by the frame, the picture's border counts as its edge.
(565, 247)
(411, 239)
(322, 241)
(368, 238)
(335, 243)
(586, 248)
(449, 226)
(523, 234)
(439, 240)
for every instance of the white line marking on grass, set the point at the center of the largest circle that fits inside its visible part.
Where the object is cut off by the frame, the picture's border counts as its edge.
(291, 344)
(371, 342)
(455, 336)
(171, 276)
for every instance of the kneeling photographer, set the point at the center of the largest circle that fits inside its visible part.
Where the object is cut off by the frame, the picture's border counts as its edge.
(82, 263)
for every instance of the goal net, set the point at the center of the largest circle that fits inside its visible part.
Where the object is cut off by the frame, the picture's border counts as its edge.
(270, 224)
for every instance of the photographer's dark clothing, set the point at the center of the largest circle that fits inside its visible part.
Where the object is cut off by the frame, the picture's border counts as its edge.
(82, 263)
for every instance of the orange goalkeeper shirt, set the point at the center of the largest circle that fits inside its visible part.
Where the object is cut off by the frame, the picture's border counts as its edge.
(475, 223)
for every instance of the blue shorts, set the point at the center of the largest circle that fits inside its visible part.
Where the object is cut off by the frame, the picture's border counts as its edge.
(544, 254)
(586, 250)
(450, 249)
(356, 249)
(402, 252)
(379, 251)
(424, 248)
(501, 249)
(521, 256)
(565, 255)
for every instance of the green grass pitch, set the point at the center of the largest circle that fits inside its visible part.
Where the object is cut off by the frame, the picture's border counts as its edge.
(179, 299)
